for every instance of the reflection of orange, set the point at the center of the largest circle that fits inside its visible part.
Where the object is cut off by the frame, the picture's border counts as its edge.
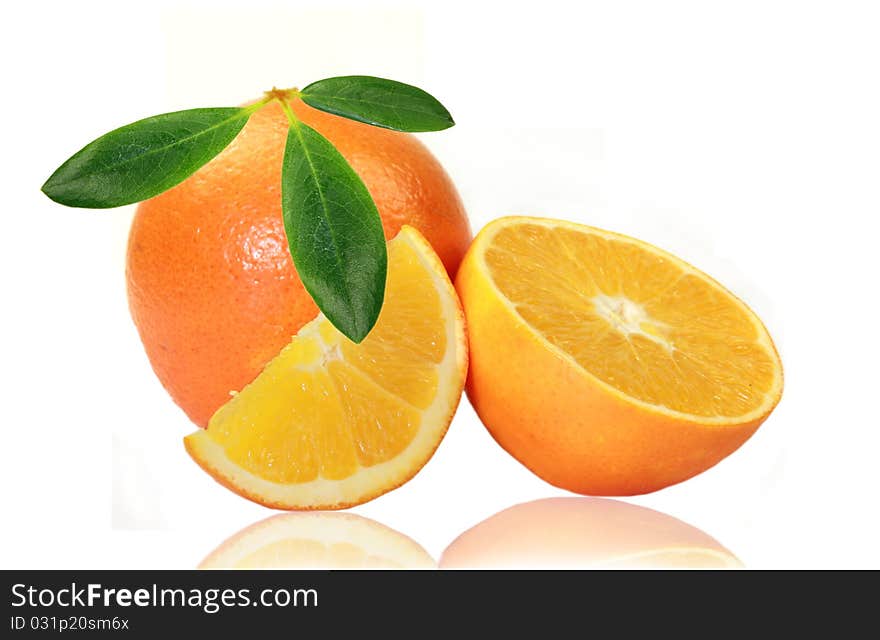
(584, 532)
(606, 365)
(211, 284)
(318, 541)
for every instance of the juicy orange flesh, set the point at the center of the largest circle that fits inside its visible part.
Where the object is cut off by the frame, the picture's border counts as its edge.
(325, 407)
(635, 319)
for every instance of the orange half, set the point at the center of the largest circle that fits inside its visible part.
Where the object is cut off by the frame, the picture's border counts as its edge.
(604, 364)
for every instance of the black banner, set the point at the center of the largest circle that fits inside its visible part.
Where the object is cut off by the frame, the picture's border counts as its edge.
(292, 603)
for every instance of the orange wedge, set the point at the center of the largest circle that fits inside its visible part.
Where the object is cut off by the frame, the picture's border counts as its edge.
(329, 424)
(606, 365)
(318, 541)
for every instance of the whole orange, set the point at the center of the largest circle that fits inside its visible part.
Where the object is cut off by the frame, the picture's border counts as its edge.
(211, 285)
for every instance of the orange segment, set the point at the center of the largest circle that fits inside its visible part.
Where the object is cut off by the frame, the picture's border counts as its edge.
(382, 425)
(329, 423)
(607, 365)
(402, 356)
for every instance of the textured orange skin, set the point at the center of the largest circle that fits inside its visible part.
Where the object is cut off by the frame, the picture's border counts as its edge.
(561, 422)
(211, 285)
(574, 532)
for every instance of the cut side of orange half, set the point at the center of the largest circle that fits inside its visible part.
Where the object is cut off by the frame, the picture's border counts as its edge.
(329, 424)
(604, 364)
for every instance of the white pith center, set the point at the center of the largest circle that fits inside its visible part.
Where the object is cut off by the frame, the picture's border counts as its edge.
(328, 349)
(630, 318)
(329, 353)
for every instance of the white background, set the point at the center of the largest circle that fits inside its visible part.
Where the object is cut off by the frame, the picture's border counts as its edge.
(744, 137)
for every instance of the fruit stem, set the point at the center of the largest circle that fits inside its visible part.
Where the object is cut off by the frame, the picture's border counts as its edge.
(284, 96)
(281, 95)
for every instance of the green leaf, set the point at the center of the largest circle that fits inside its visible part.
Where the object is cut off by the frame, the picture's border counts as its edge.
(334, 232)
(144, 158)
(380, 102)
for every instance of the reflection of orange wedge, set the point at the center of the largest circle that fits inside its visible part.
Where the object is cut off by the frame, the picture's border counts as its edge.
(318, 541)
(585, 532)
(328, 423)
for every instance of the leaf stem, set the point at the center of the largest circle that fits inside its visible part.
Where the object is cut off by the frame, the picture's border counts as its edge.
(291, 116)
(259, 104)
